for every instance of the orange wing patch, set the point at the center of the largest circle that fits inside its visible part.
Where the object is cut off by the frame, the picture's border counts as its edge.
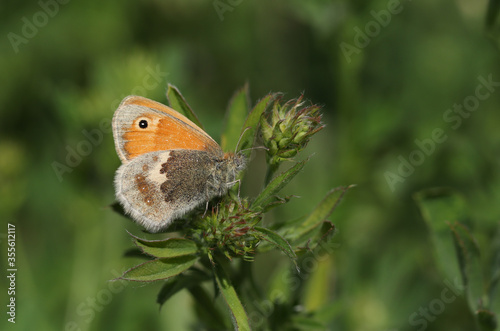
(156, 127)
(148, 103)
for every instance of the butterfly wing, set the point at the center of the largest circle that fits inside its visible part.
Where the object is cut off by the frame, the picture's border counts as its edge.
(158, 187)
(141, 126)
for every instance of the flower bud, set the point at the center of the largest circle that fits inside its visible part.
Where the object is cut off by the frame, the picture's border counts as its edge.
(288, 128)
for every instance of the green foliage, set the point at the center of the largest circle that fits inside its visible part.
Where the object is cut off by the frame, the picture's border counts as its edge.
(445, 214)
(402, 82)
(286, 130)
(237, 112)
(166, 248)
(238, 314)
(250, 126)
(160, 268)
(177, 102)
(232, 228)
(267, 197)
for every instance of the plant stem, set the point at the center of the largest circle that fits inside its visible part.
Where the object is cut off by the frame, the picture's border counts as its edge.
(271, 170)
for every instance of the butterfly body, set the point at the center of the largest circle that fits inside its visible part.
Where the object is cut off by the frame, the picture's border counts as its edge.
(170, 165)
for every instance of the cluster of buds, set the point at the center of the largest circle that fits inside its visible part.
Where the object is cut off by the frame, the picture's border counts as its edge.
(230, 230)
(288, 128)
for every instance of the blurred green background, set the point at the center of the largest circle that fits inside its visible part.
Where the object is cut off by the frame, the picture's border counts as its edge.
(65, 67)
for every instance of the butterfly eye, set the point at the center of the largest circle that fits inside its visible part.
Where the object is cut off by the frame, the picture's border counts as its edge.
(143, 124)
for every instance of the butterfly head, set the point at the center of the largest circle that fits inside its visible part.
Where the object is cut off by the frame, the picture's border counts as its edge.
(235, 163)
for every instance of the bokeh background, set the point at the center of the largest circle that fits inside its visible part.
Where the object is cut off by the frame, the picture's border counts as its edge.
(62, 79)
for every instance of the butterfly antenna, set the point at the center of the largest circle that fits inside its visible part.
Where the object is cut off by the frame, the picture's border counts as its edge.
(256, 147)
(239, 140)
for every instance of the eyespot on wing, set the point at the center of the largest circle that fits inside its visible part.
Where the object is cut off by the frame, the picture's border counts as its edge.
(141, 126)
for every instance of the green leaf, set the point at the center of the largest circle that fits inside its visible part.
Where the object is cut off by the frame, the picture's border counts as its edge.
(440, 207)
(276, 201)
(470, 265)
(276, 185)
(190, 278)
(239, 316)
(177, 102)
(160, 269)
(312, 239)
(313, 223)
(278, 241)
(249, 130)
(165, 248)
(235, 118)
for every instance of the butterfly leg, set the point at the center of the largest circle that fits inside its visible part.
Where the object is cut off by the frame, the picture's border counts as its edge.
(230, 184)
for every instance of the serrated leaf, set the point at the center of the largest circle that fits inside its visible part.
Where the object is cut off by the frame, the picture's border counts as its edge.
(319, 214)
(177, 102)
(278, 241)
(235, 118)
(165, 248)
(239, 316)
(470, 265)
(175, 284)
(160, 269)
(249, 130)
(278, 183)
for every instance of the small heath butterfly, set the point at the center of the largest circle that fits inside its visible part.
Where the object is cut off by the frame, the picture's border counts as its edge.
(169, 164)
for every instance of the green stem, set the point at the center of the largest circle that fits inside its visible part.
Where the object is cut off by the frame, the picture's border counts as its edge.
(228, 292)
(271, 170)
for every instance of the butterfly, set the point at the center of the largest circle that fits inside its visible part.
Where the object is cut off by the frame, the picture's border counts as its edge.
(169, 164)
